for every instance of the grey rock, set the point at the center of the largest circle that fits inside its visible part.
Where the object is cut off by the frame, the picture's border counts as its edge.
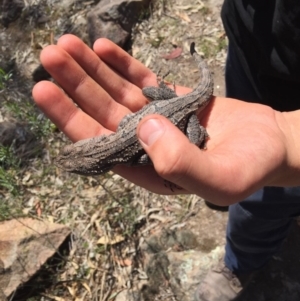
(40, 73)
(128, 295)
(11, 11)
(114, 19)
(18, 136)
(25, 245)
(187, 270)
(172, 259)
(14, 132)
(182, 271)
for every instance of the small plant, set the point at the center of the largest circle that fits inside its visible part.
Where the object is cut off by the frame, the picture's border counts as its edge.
(156, 42)
(144, 14)
(5, 210)
(4, 77)
(222, 43)
(8, 158)
(26, 111)
(11, 157)
(8, 182)
(8, 165)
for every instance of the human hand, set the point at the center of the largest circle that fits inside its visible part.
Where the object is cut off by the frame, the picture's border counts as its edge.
(247, 149)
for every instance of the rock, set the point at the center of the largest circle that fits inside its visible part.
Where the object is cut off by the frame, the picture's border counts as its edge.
(25, 245)
(187, 270)
(114, 19)
(11, 11)
(13, 132)
(40, 73)
(182, 271)
(177, 240)
(128, 295)
(172, 259)
(21, 140)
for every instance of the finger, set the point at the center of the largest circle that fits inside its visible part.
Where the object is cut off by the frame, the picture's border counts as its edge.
(91, 98)
(124, 63)
(123, 88)
(62, 111)
(128, 66)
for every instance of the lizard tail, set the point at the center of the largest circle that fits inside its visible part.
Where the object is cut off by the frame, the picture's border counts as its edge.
(192, 48)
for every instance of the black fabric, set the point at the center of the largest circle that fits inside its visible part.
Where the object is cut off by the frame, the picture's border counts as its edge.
(266, 38)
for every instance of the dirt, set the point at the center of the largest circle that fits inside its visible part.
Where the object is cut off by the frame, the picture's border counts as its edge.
(186, 22)
(172, 24)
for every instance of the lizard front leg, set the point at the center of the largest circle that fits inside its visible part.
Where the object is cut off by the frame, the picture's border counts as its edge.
(162, 92)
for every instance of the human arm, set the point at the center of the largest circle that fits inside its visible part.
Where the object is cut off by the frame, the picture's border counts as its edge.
(250, 146)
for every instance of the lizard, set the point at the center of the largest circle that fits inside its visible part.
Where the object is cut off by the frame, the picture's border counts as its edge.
(98, 155)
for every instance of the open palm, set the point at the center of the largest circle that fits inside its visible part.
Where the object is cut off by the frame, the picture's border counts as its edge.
(247, 148)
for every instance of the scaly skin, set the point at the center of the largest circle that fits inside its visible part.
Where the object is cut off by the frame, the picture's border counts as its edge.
(98, 155)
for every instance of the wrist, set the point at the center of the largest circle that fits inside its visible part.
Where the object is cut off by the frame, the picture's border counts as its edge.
(289, 124)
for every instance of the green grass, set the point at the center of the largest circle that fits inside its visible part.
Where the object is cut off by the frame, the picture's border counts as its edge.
(13, 162)
(10, 164)
(4, 78)
(8, 158)
(210, 48)
(26, 111)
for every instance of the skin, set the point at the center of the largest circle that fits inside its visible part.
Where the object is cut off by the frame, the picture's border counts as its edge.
(251, 145)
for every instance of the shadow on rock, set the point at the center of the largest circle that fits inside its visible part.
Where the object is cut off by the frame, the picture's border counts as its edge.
(21, 141)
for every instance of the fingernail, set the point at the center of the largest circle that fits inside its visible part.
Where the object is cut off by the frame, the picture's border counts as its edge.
(150, 131)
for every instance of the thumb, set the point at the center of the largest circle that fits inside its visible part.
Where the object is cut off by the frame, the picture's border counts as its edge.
(174, 157)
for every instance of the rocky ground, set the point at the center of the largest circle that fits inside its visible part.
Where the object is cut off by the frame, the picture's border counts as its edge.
(127, 243)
